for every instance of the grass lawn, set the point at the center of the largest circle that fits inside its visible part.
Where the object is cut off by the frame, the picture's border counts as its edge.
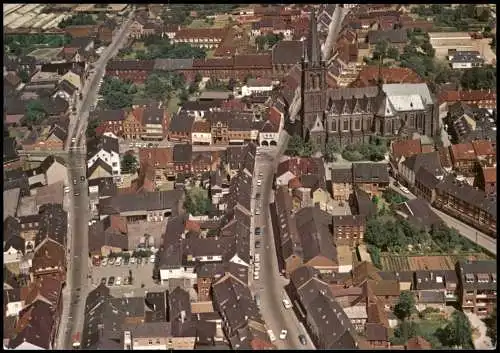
(429, 325)
(210, 53)
(173, 104)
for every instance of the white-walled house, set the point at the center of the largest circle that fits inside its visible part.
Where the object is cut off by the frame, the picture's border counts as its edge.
(270, 133)
(107, 150)
(51, 171)
(258, 85)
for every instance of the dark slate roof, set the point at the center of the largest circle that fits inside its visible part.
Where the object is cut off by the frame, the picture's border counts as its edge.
(146, 201)
(420, 213)
(170, 254)
(472, 269)
(180, 316)
(63, 67)
(153, 115)
(201, 105)
(434, 279)
(392, 36)
(53, 224)
(429, 161)
(313, 227)
(101, 234)
(370, 173)
(156, 306)
(181, 123)
(366, 207)
(106, 143)
(287, 52)
(106, 186)
(426, 178)
(183, 153)
(67, 87)
(38, 331)
(48, 162)
(467, 193)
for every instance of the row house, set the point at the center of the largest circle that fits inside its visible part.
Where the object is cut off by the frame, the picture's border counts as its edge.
(471, 205)
(477, 287)
(109, 121)
(107, 30)
(467, 158)
(238, 67)
(348, 230)
(104, 151)
(201, 133)
(161, 160)
(203, 38)
(480, 98)
(229, 128)
(372, 178)
(181, 127)
(136, 71)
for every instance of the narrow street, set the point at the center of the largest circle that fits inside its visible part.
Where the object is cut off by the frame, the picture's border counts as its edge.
(270, 286)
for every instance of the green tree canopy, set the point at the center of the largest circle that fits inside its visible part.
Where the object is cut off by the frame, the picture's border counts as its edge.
(479, 78)
(380, 50)
(197, 201)
(129, 163)
(91, 128)
(35, 112)
(331, 149)
(405, 306)
(491, 326)
(78, 20)
(457, 333)
(117, 94)
(393, 53)
(298, 147)
(405, 331)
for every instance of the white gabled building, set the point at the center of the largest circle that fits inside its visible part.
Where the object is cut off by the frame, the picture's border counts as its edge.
(107, 149)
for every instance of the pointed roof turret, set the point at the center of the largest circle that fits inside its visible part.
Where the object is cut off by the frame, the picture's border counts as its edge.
(313, 46)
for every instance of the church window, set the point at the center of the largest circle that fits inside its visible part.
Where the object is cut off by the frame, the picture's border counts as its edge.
(357, 124)
(334, 125)
(412, 121)
(346, 125)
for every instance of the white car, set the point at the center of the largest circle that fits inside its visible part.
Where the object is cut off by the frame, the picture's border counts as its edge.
(118, 261)
(283, 334)
(132, 260)
(256, 267)
(405, 190)
(287, 304)
(66, 189)
(104, 262)
(271, 335)
(259, 182)
(256, 276)
(257, 258)
(118, 281)
(257, 212)
(152, 259)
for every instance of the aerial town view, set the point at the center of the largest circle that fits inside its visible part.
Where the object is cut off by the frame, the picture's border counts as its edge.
(249, 177)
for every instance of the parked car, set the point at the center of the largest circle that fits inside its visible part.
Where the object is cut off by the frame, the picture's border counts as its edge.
(259, 182)
(302, 339)
(287, 304)
(152, 259)
(271, 335)
(257, 267)
(257, 300)
(103, 280)
(125, 281)
(258, 230)
(118, 281)
(139, 260)
(104, 262)
(111, 260)
(257, 244)
(256, 276)
(118, 261)
(111, 281)
(257, 195)
(132, 260)
(257, 258)
(283, 334)
(405, 190)
(66, 189)
(126, 260)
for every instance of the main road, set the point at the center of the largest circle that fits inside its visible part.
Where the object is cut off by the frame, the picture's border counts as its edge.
(270, 286)
(78, 279)
(481, 239)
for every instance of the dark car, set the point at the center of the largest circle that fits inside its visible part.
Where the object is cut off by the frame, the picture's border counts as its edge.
(258, 231)
(257, 196)
(126, 261)
(111, 281)
(139, 260)
(103, 280)
(257, 244)
(302, 339)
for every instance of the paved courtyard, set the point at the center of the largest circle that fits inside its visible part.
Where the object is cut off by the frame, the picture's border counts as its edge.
(340, 210)
(136, 233)
(141, 274)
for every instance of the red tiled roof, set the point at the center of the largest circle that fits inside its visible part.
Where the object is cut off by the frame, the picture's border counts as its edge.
(253, 61)
(138, 114)
(201, 126)
(118, 223)
(188, 33)
(483, 148)
(192, 225)
(233, 105)
(274, 116)
(369, 75)
(295, 183)
(406, 148)
(444, 157)
(476, 95)
(490, 174)
(156, 157)
(462, 151)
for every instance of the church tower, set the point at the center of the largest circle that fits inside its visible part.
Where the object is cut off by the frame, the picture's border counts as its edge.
(313, 86)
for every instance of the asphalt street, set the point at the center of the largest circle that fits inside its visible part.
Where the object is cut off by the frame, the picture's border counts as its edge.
(78, 281)
(270, 286)
(481, 239)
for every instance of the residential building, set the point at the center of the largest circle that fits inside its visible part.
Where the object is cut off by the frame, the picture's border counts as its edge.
(342, 186)
(145, 206)
(477, 287)
(201, 133)
(155, 124)
(328, 325)
(181, 127)
(51, 171)
(433, 289)
(182, 158)
(471, 205)
(49, 260)
(410, 167)
(373, 178)
(486, 180)
(419, 213)
(132, 125)
(460, 59)
(203, 38)
(463, 158)
(135, 70)
(481, 98)
(106, 149)
(161, 160)
(108, 235)
(348, 230)
(395, 37)
(256, 86)
(109, 121)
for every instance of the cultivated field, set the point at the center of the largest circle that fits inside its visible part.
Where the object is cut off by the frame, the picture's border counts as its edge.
(415, 263)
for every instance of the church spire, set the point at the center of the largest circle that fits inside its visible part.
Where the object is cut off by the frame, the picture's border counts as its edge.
(313, 46)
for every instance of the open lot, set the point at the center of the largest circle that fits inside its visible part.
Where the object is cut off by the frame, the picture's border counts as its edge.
(390, 262)
(141, 274)
(136, 232)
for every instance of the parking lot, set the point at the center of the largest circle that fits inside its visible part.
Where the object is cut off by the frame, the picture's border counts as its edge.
(142, 274)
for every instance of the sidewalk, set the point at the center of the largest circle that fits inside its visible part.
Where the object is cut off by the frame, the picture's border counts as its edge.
(483, 341)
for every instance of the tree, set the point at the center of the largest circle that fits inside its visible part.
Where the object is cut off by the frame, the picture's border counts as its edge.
(479, 78)
(35, 112)
(405, 331)
(457, 333)
(405, 306)
(260, 42)
(197, 202)
(184, 96)
(24, 76)
(380, 50)
(77, 20)
(91, 128)
(307, 149)
(331, 149)
(393, 53)
(294, 145)
(117, 94)
(491, 326)
(129, 163)
(231, 84)
(493, 43)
